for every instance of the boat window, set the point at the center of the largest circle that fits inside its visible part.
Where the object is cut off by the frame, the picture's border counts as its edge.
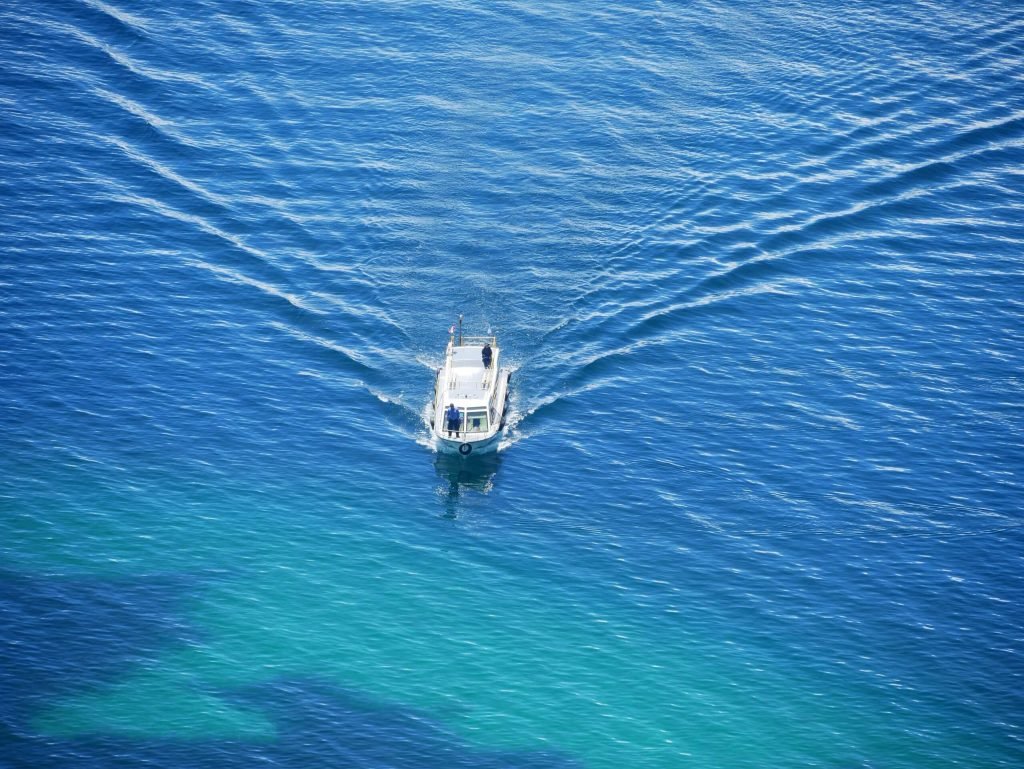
(476, 420)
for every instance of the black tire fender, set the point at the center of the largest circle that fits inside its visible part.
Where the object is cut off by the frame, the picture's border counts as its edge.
(465, 449)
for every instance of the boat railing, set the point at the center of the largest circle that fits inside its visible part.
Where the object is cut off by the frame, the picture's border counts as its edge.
(472, 341)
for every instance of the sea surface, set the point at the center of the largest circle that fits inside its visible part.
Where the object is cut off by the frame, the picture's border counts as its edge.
(758, 269)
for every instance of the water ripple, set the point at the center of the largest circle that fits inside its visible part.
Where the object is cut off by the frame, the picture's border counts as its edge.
(755, 269)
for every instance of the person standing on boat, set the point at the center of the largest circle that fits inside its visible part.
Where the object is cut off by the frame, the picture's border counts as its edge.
(454, 420)
(486, 354)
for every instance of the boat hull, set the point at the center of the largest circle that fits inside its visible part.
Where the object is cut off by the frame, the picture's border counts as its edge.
(468, 448)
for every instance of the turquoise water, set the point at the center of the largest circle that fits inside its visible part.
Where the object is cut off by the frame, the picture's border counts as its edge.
(757, 269)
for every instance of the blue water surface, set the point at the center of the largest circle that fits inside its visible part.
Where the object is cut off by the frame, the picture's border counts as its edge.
(757, 270)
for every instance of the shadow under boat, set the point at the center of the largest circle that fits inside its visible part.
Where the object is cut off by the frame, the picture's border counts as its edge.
(461, 474)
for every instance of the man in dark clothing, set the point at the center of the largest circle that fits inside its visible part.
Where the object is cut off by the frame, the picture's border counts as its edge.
(486, 353)
(454, 420)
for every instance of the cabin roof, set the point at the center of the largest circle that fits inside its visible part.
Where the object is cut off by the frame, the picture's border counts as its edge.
(468, 355)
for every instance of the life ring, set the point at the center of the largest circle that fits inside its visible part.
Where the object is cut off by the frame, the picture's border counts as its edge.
(464, 449)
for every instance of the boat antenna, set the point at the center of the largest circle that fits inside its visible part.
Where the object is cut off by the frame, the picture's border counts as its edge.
(460, 329)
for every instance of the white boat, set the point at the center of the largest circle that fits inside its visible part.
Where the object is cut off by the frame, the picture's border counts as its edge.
(475, 392)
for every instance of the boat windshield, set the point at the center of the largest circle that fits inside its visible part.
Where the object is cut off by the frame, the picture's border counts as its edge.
(474, 420)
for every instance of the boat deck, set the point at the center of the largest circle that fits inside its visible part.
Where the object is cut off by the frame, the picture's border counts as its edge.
(467, 377)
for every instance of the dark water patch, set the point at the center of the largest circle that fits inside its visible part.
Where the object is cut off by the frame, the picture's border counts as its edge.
(315, 724)
(65, 634)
